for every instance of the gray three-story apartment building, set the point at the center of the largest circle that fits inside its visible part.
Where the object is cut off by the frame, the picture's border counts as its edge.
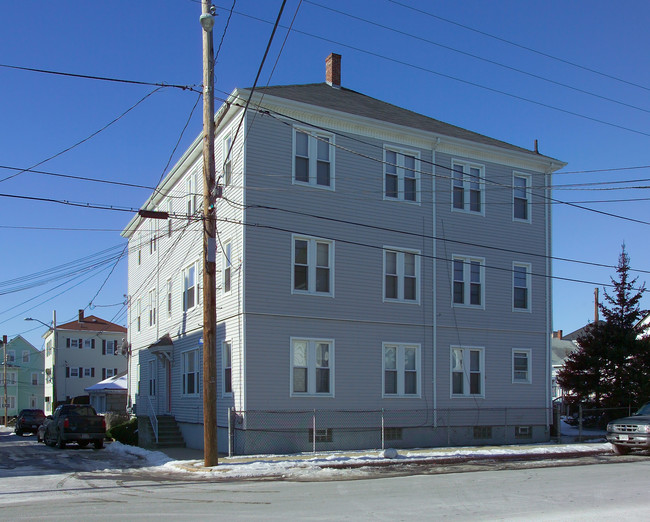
(383, 278)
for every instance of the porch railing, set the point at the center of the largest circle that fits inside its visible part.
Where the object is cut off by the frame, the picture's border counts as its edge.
(151, 413)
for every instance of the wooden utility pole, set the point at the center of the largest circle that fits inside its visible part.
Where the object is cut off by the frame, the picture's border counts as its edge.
(209, 221)
(596, 305)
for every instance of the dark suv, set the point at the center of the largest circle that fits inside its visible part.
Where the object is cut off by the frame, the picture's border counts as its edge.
(28, 421)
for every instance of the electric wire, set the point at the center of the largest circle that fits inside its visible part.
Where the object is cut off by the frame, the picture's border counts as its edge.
(526, 48)
(102, 78)
(487, 60)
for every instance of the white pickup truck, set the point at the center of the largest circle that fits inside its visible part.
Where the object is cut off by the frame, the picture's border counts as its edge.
(630, 433)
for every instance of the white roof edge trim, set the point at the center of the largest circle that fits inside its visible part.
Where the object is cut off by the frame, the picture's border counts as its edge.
(545, 162)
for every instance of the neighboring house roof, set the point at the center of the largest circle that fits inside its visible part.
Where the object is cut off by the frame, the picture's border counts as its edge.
(92, 324)
(352, 102)
(560, 350)
(116, 383)
(573, 336)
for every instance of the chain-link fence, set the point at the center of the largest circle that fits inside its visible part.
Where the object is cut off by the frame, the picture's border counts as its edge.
(581, 422)
(265, 432)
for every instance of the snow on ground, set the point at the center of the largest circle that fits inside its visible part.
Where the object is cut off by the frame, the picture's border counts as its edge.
(338, 464)
(331, 465)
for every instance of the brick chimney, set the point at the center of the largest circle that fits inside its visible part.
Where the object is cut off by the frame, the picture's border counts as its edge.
(333, 70)
(558, 334)
(81, 316)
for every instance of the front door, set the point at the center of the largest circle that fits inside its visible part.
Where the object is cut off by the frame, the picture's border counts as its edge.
(153, 374)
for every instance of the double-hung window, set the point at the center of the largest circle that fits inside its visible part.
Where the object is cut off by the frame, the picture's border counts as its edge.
(468, 281)
(11, 356)
(170, 212)
(190, 287)
(25, 356)
(313, 266)
(138, 314)
(401, 370)
(466, 371)
(153, 232)
(401, 175)
(152, 307)
(227, 161)
(227, 267)
(521, 286)
(313, 158)
(401, 275)
(190, 372)
(467, 187)
(521, 197)
(152, 378)
(169, 297)
(312, 367)
(191, 195)
(226, 352)
(521, 365)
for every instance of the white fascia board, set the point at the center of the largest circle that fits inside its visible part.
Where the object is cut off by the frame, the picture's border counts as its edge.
(180, 168)
(379, 129)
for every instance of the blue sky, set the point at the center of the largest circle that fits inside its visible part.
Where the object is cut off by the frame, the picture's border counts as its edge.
(577, 80)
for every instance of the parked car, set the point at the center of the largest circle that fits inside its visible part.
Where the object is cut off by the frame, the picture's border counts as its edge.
(631, 432)
(74, 423)
(28, 421)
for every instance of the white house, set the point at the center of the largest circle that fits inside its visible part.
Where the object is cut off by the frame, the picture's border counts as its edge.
(382, 275)
(81, 353)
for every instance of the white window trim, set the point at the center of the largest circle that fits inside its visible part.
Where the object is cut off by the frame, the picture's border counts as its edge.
(401, 174)
(169, 301)
(467, 281)
(153, 308)
(138, 315)
(466, 366)
(227, 176)
(400, 371)
(312, 243)
(313, 139)
(466, 187)
(529, 356)
(400, 275)
(153, 236)
(224, 359)
(198, 372)
(186, 309)
(311, 367)
(226, 259)
(529, 208)
(170, 212)
(529, 292)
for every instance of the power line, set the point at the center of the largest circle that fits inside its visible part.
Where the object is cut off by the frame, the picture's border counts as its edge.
(509, 42)
(457, 79)
(493, 62)
(480, 180)
(102, 78)
(80, 178)
(85, 139)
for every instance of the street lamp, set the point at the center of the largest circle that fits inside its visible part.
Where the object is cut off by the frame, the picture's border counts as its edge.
(53, 328)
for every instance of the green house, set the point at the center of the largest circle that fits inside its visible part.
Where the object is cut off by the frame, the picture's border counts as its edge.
(24, 375)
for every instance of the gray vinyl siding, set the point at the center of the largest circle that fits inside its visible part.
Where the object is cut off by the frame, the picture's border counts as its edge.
(260, 314)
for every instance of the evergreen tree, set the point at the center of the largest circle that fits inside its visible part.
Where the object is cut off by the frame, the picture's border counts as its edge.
(611, 366)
